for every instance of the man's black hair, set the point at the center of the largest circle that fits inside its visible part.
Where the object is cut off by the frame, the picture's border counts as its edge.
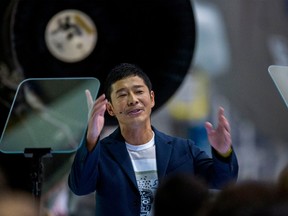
(122, 71)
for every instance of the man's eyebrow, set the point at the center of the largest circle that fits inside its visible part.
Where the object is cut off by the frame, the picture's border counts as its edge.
(134, 87)
(138, 86)
(120, 90)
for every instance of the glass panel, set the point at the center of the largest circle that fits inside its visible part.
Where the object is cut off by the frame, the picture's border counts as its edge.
(279, 75)
(48, 113)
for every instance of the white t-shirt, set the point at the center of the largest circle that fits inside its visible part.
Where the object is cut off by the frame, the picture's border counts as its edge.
(143, 158)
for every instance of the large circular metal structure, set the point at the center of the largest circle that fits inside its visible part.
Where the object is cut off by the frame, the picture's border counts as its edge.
(72, 38)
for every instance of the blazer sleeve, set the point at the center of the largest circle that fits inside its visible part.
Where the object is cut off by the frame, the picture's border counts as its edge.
(219, 171)
(83, 174)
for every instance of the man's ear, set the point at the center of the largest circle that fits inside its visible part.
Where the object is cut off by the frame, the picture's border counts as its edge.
(152, 96)
(109, 109)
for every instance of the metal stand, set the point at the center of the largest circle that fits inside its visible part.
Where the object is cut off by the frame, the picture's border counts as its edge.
(37, 155)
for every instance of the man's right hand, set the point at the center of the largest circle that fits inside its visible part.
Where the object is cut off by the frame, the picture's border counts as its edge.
(96, 111)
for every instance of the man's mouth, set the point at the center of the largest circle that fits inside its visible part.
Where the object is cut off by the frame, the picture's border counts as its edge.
(134, 111)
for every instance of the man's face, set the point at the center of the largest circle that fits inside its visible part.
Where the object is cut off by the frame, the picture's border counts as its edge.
(131, 101)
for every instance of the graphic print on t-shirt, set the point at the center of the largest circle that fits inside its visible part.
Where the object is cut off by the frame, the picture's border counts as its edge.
(147, 184)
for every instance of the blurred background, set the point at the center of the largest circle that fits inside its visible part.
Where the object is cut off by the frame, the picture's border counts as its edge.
(200, 54)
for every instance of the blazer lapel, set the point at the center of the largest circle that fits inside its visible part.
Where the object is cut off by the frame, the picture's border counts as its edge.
(163, 153)
(119, 151)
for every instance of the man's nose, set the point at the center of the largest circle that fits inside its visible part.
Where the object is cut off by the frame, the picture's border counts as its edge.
(132, 99)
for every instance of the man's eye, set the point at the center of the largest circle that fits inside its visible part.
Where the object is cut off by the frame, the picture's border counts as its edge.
(122, 95)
